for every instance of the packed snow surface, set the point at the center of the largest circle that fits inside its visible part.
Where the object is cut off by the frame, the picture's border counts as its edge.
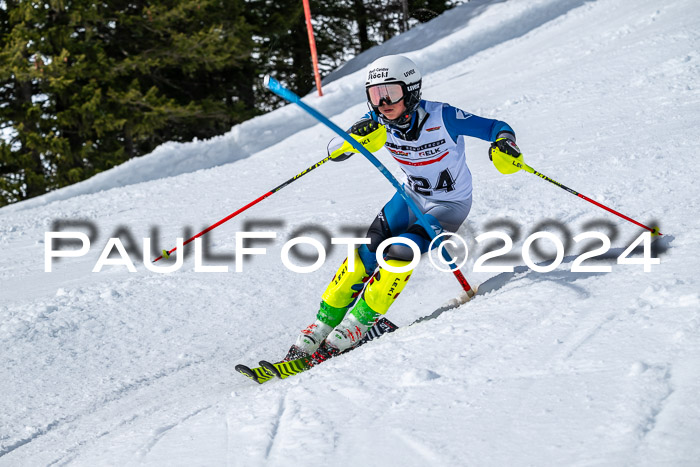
(542, 368)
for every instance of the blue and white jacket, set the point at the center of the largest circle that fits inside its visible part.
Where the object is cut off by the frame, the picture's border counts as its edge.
(431, 152)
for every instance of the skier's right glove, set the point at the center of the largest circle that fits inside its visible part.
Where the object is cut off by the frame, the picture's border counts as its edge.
(364, 127)
(360, 128)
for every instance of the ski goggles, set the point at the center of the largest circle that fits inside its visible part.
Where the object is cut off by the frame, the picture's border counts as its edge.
(386, 93)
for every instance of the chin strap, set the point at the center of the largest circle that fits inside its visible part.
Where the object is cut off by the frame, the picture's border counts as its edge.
(409, 129)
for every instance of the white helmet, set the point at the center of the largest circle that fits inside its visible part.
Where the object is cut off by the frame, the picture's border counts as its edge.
(395, 69)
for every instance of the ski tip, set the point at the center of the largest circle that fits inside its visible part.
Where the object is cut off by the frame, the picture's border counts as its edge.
(266, 81)
(259, 375)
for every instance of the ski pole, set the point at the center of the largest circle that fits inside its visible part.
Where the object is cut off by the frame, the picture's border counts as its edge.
(508, 164)
(275, 86)
(166, 253)
(374, 141)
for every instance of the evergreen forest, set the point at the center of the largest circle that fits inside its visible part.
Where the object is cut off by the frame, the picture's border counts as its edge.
(88, 85)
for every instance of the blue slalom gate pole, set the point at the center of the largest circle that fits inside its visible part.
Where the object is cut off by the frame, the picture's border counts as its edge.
(275, 86)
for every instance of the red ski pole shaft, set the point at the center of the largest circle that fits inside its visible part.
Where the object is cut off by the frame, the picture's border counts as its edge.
(654, 231)
(252, 203)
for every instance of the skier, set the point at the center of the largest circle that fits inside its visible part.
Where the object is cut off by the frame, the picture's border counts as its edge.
(426, 139)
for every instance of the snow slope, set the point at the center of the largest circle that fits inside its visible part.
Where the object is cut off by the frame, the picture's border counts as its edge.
(558, 368)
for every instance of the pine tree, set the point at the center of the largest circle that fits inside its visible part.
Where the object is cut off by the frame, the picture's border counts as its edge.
(86, 86)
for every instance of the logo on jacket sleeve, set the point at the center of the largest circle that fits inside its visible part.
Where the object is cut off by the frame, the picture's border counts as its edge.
(433, 128)
(462, 115)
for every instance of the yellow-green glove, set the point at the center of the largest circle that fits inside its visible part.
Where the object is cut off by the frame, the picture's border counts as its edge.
(506, 156)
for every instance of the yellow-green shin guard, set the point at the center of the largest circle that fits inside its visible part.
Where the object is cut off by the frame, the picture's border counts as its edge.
(385, 286)
(340, 292)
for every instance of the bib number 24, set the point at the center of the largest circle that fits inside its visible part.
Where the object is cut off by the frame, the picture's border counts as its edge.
(421, 185)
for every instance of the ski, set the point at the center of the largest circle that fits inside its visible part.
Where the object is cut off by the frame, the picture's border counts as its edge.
(289, 368)
(285, 369)
(268, 370)
(257, 374)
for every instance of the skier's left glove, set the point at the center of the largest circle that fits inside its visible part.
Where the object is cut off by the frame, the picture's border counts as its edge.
(504, 145)
(506, 155)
